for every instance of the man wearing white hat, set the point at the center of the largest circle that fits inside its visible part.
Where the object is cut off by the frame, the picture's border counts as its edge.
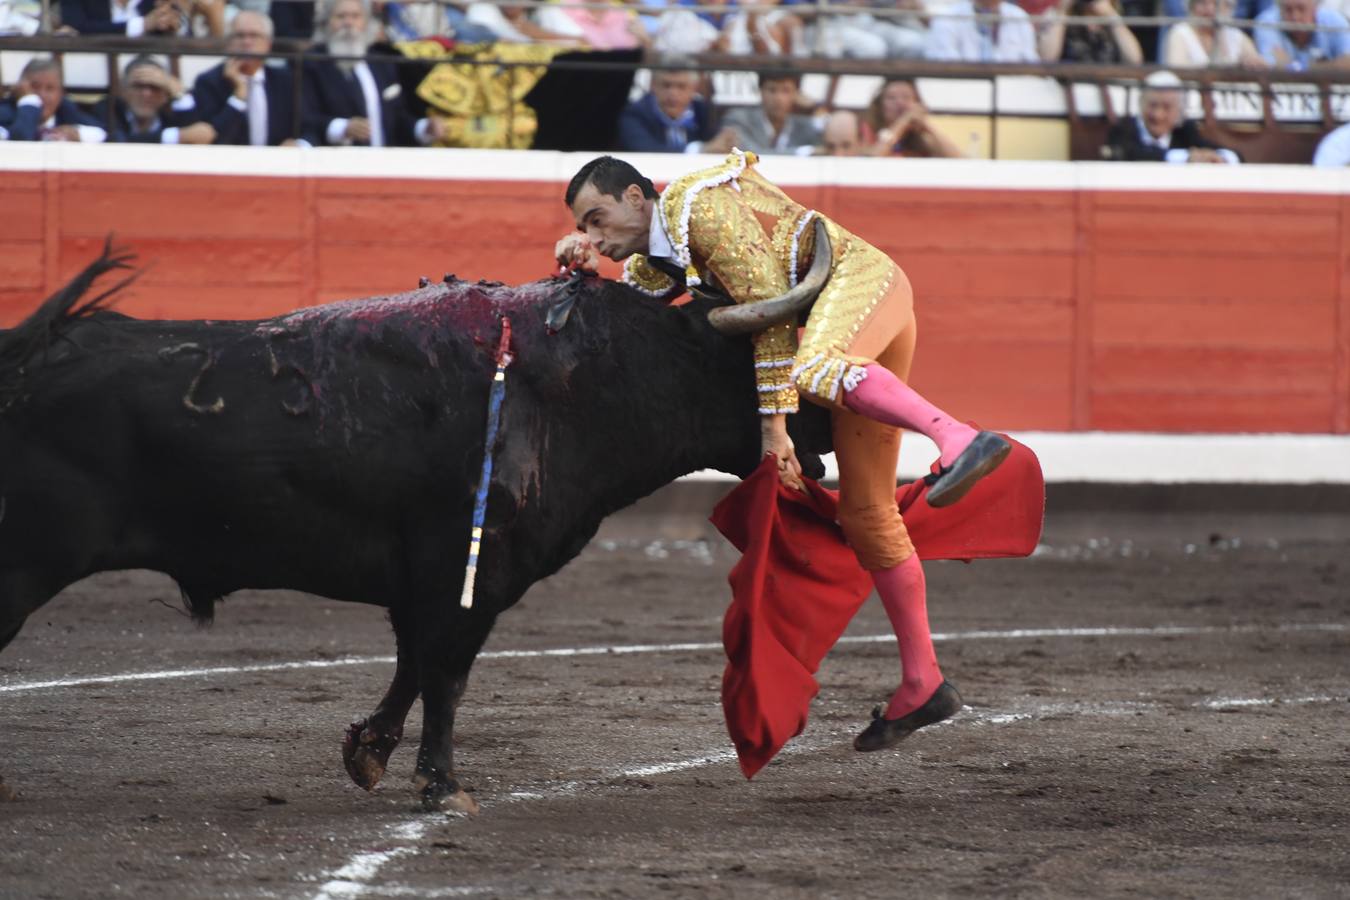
(1161, 133)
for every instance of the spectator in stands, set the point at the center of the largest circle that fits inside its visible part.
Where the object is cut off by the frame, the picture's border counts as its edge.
(864, 35)
(672, 118)
(39, 109)
(20, 17)
(152, 108)
(1340, 6)
(245, 101)
(1110, 43)
(956, 36)
(760, 27)
(415, 20)
(1333, 151)
(1232, 10)
(356, 101)
(1298, 51)
(840, 137)
(615, 28)
(896, 124)
(291, 18)
(773, 127)
(135, 18)
(512, 24)
(1205, 41)
(1160, 133)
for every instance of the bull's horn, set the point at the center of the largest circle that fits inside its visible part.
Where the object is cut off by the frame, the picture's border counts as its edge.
(747, 318)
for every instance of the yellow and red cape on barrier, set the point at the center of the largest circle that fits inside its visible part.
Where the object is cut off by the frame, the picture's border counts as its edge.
(478, 90)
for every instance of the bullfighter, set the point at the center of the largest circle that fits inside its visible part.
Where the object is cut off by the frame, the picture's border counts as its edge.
(729, 228)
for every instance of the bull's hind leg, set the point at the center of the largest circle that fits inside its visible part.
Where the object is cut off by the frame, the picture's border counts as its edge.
(369, 742)
(444, 674)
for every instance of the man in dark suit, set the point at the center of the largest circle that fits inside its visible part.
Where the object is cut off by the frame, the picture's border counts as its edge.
(132, 18)
(41, 111)
(245, 101)
(152, 108)
(672, 118)
(293, 19)
(1160, 133)
(356, 101)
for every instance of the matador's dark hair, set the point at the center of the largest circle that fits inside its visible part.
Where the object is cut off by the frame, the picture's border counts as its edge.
(610, 176)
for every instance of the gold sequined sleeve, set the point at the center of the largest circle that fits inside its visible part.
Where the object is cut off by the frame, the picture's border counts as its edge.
(639, 273)
(724, 232)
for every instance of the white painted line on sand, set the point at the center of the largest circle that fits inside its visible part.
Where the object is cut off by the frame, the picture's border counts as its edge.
(696, 762)
(354, 879)
(207, 672)
(691, 647)
(1241, 702)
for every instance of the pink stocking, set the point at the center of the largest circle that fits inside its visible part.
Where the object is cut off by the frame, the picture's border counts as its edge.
(904, 594)
(883, 397)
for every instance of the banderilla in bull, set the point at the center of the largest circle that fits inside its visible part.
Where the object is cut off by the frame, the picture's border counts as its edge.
(504, 357)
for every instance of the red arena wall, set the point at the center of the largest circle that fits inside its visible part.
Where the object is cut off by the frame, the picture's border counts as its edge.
(1058, 297)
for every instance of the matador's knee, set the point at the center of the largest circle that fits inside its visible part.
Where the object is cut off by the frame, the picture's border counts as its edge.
(877, 535)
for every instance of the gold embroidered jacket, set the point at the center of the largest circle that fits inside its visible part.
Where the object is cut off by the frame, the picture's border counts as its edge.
(733, 228)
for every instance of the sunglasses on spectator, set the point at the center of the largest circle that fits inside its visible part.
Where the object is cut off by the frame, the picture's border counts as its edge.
(146, 86)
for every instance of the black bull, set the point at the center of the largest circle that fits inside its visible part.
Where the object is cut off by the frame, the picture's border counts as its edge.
(335, 450)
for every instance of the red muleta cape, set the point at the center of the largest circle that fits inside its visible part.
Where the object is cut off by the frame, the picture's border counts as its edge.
(798, 584)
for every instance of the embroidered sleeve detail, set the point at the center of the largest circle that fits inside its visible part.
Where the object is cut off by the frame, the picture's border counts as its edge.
(775, 348)
(640, 274)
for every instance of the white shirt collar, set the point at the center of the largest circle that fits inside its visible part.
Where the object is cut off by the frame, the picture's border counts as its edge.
(1146, 136)
(658, 241)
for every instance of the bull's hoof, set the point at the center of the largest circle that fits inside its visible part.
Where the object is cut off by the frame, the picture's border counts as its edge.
(444, 795)
(365, 752)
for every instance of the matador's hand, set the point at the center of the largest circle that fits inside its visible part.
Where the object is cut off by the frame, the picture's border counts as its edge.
(575, 251)
(775, 442)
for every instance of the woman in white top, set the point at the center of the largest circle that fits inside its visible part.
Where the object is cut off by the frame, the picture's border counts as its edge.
(1202, 41)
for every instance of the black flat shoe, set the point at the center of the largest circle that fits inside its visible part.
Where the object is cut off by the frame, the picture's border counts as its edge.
(976, 461)
(883, 732)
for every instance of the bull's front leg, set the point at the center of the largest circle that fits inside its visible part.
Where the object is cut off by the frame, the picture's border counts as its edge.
(369, 742)
(443, 678)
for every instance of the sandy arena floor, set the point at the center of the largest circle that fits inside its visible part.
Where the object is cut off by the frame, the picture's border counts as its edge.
(1157, 707)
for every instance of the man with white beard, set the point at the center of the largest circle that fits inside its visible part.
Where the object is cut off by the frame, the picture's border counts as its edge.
(355, 100)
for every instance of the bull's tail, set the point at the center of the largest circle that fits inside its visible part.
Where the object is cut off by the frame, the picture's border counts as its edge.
(35, 333)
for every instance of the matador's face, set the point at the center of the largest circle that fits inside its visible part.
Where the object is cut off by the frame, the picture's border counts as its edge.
(617, 226)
